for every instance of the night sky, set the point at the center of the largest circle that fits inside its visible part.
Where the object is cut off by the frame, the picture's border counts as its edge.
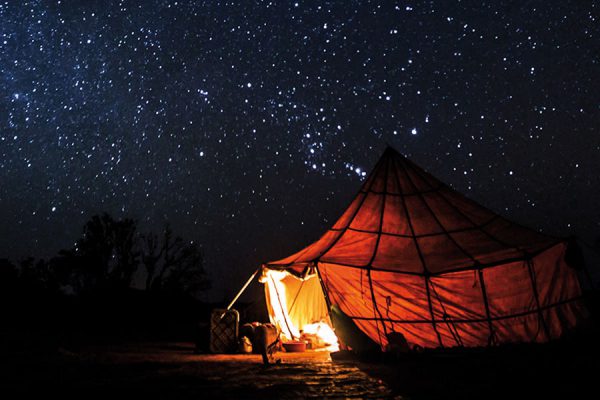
(249, 125)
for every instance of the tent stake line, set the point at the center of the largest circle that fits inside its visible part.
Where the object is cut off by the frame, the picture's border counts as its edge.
(237, 296)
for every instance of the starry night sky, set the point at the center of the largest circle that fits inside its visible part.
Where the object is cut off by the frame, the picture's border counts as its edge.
(249, 125)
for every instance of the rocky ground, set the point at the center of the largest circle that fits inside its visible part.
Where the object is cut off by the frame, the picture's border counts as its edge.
(172, 370)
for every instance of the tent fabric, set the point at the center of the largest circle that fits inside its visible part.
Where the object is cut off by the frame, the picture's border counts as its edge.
(412, 255)
(293, 303)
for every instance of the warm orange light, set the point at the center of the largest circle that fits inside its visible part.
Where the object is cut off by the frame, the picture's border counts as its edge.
(297, 307)
(323, 331)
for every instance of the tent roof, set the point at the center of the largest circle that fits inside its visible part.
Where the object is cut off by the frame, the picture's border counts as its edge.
(405, 220)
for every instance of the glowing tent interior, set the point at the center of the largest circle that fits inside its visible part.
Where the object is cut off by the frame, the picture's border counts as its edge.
(412, 256)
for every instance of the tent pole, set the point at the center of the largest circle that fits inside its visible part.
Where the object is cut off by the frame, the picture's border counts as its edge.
(325, 294)
(284, 311)
(241, 291)
(540, 313)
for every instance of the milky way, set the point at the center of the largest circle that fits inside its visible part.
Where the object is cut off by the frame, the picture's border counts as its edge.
(249, 125)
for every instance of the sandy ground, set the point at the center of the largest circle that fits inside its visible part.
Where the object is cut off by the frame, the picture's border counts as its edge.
(171, 370)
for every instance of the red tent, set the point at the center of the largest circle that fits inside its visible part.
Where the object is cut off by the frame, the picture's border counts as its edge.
(412, 255)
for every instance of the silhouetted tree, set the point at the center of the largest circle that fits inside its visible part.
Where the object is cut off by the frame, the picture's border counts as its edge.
(27, 273)
(126, 251)
(173, 264)
(35, 275)
(9, 276)
(152, 253)
(65, 270)
(108, 255)
(105, 256)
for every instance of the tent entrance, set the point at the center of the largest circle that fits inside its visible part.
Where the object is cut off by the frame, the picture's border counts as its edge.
(298, 308)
